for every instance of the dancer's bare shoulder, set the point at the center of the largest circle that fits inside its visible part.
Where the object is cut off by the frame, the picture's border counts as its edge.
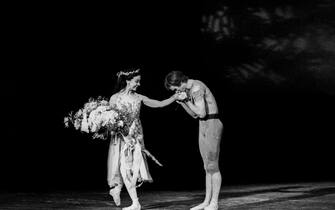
(113, 98)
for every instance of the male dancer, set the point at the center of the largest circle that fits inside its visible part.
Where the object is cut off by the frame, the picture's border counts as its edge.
(200, 103)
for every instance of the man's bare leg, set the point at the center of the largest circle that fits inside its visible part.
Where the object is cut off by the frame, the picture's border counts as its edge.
(209, 186)
(216, 186)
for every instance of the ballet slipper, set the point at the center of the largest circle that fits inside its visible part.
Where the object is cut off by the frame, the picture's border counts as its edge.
(115, 193)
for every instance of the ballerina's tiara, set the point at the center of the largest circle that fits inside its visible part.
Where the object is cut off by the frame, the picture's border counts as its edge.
(127, 73)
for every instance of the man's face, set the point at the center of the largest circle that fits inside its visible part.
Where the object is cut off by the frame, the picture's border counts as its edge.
(174, 88)
(180, 88)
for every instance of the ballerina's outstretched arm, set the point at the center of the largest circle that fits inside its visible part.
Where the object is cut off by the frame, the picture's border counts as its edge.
(155, 103)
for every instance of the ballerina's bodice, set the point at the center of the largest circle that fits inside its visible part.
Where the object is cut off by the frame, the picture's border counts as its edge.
(132, 105)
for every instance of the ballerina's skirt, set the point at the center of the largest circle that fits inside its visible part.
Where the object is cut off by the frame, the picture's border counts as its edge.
(119, 151)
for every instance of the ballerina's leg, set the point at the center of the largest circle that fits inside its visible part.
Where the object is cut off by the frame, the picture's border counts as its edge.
(127, 163)
(114, 177)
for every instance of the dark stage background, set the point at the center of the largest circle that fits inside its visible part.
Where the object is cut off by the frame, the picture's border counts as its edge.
(273, 131)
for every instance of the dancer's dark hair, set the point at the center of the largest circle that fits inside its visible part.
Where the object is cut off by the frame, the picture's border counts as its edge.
(174, 78)
(123, 76)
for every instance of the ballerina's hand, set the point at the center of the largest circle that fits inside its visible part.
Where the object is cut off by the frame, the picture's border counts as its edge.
(181, 96)
(128, 139)
(176, 96)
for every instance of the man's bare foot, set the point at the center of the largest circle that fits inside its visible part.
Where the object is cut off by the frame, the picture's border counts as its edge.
(200, 206)
(212, 206)
(134, 206)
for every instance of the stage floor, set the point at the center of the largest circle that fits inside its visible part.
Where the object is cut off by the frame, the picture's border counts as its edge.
(275, 196)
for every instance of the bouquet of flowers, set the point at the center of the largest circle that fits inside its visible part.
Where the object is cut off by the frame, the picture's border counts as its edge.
(99, 118)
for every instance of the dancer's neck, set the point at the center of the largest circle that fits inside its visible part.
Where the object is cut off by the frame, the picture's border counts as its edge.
(127, 91)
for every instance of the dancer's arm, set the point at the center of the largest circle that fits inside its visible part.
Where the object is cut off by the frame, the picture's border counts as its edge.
(198, 104)
(155, 103)
(187, 109)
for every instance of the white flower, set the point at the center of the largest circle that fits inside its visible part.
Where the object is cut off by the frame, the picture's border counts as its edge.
(110, 116)
(77, 124)
(66, 121)
(120, 124)
(84, 124)
(90, 106)
(101, 108)
(104, 102)
(79, 113)
(93, 120)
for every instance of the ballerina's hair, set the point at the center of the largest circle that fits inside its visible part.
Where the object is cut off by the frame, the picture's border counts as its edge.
(123, 76)
(174, 78)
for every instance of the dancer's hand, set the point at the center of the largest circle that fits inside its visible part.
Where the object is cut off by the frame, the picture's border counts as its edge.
(176, 96)
(128, 139)
(179, 102)
(180, 96)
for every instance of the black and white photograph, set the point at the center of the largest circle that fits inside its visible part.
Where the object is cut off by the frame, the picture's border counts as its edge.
(169, 105)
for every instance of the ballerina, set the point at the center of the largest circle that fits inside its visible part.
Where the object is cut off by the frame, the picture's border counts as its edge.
(127, 164)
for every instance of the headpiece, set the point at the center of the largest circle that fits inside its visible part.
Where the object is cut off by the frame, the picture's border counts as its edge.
(127, 73)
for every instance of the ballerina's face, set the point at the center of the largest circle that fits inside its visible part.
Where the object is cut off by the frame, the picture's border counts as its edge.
(134, 83)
